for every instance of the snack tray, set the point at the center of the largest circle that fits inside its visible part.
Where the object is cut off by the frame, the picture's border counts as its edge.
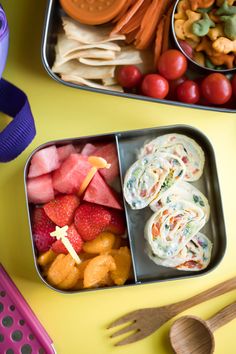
(52, 26)
(128, 143)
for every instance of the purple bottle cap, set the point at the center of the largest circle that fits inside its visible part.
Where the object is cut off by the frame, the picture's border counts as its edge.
(4, 39)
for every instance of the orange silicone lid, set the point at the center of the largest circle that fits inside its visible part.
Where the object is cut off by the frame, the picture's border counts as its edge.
(92, 12)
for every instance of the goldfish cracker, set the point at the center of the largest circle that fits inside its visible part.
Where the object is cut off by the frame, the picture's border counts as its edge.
(226, 9)
(216, 32)
(97, 269)
(220, 2)
(223, 59)
(191, 43)
(179, 29)
(122, 259)
(46, 258)
(229, 26)
(224, 45)
(182, 6)
(199, 58)
(201, 28)
(214, 17)
(200, 4)
(102, 243)
(206, 46)
(63, 272)
(187, 26)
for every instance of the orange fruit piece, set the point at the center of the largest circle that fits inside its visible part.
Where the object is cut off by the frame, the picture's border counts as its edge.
(122, 259)
(97, 269)
(93, 12)
(102, 243)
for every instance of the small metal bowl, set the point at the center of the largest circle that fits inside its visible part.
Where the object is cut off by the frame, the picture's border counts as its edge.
(201, 69)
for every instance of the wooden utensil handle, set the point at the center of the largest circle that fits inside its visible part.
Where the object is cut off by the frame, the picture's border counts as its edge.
(208, 294)
(222, 317)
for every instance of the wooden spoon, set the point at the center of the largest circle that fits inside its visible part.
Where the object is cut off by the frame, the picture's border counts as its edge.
(192, 335)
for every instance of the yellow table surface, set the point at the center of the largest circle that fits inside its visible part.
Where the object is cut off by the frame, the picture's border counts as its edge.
(77, 322)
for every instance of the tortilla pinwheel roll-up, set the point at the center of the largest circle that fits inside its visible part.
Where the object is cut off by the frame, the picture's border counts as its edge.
(194, 256)
(151, 176)
(172, 227)
(182, 146)
(182, 190)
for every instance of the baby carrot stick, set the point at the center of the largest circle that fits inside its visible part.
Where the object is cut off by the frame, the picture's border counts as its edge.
(159, 41)
(165, 42)
(135, 21)
(126, 18)
(130, 37)
(123, 10)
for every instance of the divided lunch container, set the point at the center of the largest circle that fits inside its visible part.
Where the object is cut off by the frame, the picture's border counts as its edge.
(127, 144)
(52, 27)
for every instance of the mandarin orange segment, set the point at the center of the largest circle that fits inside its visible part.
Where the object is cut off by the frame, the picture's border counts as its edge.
(97, 269)
(93, 12)
(70, 280)
(81, 267)
(102, 243)
(60, 269)
(122, 259)
(46, 258)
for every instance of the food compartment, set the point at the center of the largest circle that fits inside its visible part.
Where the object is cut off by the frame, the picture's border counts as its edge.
(73, 193)
(89, 79)
(129, 144)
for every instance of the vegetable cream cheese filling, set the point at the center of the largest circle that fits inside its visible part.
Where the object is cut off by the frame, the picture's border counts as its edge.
(182, 146)
(151, 176)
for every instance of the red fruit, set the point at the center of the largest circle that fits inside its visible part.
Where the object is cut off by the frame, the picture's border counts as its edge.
(88, 149)
(216, 88)
(155, 86)
(69, 177)
(44, 161)
(129, 76)
(186, 48)
(61, 210)
(40, 189)
(173, 84)
(42, 226)
(90, 220)
(233, 82)
(65, 151)
(117, 223)
(172, 64)
(188, 92)
(74, 238)
(109, 153)
(99, 192)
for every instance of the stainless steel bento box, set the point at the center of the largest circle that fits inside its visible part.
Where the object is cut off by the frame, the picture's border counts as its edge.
(127, 144)
(52, 26)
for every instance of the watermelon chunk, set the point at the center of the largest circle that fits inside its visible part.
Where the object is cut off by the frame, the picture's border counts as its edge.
(88, 149)
(40, 189)
(44, 161)
(65, 151)
(99, 192)
(69, 177)
(109, 153)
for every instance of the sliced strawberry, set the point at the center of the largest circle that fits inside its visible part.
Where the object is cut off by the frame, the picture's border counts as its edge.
(42, 226)
(100, 193)
(65, 151)
(109, 153)
(39, 189)
(117, 224)
(90, 220)
(88, 149)
(70, 176)
(74, 238)
(44, 161)
(61, 210)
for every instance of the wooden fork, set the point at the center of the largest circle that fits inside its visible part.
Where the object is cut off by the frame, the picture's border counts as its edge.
(144, 322)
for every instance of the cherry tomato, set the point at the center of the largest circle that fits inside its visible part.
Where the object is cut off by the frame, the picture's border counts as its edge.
(216, 88)
(172, 64)
(129, 76)
(173, 84)
(155, 86)
(234, 84)
(188, 92)
(186, 48)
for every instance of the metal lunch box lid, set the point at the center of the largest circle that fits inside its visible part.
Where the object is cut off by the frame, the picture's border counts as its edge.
(4, 40)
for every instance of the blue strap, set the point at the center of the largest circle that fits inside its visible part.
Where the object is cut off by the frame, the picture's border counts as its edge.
(21, 130)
